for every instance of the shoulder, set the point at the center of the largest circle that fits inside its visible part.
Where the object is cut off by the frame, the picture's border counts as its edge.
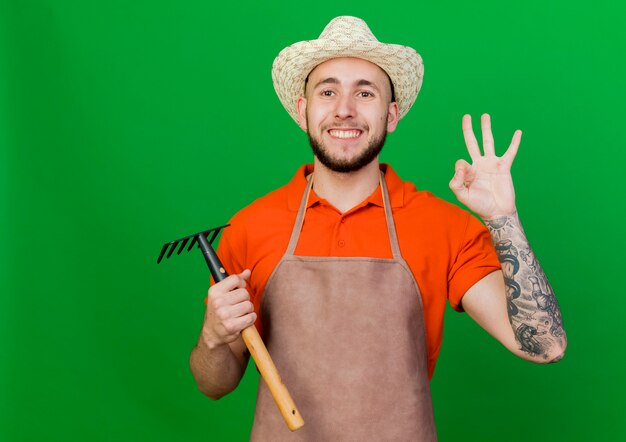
(408, 200)
(426, 200)
(270, 213)
(259, 234)
(429, 223)
(433, 222)
(262, 209)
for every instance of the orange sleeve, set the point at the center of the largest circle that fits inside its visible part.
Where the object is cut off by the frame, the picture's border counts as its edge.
(231, 249)
(476, 258)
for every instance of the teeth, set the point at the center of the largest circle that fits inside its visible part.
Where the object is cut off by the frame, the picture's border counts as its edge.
(345, 133)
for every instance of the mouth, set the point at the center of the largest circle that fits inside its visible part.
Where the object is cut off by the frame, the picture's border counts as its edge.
(345, 134)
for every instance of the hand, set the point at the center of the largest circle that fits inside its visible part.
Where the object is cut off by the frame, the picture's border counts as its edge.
(228, 311)
(485, 186)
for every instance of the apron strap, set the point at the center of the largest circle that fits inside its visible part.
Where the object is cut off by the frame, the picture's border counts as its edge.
(297, 227)
(391, 227)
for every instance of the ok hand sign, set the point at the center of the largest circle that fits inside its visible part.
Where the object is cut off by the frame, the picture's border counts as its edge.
(485, 186)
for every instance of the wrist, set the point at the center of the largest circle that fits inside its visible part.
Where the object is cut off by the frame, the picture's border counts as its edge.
(210, 341)
(503, 216)
(504, 227)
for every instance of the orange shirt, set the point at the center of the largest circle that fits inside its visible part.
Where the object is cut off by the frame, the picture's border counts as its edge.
(447, 249)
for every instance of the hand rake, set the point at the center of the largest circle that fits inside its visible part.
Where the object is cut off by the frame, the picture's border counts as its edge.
(250, 335)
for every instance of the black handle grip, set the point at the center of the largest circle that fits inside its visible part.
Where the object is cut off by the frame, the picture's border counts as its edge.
(215, 266)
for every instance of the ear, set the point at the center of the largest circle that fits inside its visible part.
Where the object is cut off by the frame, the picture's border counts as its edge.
(392, 117)
(301, 105)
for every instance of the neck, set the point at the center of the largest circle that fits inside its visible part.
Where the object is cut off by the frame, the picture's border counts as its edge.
(345, 190)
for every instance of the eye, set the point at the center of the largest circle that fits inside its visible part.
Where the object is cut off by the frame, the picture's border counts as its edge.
(327, 93)
(366, 94)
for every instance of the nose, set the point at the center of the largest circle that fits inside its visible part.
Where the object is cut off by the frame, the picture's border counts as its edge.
(345, 107)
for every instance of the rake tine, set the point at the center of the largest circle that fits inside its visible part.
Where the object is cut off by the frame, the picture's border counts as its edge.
(165, 246)
(215, 232)
(195, 239)
(190, 241)
(182, 245)
(174, 244)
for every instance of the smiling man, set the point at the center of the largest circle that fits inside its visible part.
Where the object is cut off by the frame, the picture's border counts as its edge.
(350, 274)
(331, 101)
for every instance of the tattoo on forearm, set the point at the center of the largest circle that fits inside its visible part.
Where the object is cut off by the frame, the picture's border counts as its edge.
(532, 307)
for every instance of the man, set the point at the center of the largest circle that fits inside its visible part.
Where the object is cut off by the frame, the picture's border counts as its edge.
(350, 271)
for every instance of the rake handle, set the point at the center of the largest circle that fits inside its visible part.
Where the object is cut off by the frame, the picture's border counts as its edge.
(257, 349)
(268, 371)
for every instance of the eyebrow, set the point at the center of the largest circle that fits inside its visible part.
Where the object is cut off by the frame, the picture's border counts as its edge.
(367, 83)
(333, 80)
(329, 80)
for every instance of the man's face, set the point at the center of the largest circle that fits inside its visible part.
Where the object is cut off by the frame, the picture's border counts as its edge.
(347, 113)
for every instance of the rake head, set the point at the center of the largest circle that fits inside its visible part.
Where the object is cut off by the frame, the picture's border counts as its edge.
(193, 240)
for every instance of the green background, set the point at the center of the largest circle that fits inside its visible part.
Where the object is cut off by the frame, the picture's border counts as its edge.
(124, 125)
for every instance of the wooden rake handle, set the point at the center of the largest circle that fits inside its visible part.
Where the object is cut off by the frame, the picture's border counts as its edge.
(268, 371)
(257, 349)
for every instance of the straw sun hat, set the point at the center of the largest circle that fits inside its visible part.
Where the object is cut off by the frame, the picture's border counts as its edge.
(346, 37)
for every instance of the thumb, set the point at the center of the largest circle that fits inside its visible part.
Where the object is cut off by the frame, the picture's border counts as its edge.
(242, 278)
(457, 183)
(245, 275)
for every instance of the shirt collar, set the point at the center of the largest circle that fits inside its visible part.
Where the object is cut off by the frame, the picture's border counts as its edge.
(297, 185)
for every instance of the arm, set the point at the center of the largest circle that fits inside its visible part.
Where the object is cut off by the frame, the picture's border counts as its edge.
(517, 305)
(219, 359)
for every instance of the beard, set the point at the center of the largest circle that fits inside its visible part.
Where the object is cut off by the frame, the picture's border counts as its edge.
(346, 166)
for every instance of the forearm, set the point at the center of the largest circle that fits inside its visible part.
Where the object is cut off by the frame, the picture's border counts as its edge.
(217, 370)
(219, 359)
(533, 310)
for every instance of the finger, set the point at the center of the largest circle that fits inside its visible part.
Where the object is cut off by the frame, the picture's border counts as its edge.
(467, 170)
(457, 184)
(488, 147)
(227, 312)
(460, 191)
(236, 296)
(243, 278)
(246, 274)
(462, 164)
(240, 309)
(230, 283)
(470, 139)
(511, 152)
(221, 303)
(236, 325)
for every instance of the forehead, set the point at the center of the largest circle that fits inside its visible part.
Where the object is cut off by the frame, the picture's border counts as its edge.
(348, 70)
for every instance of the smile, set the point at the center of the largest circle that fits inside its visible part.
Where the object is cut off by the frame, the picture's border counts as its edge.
(339, 133)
